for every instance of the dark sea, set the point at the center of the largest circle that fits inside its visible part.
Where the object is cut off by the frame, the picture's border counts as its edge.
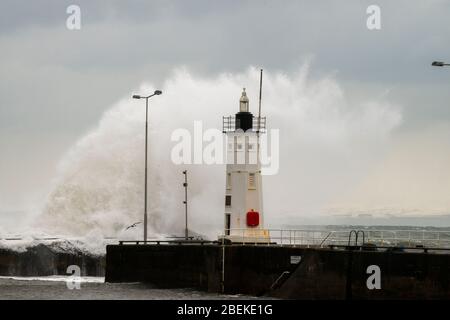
(93, 288)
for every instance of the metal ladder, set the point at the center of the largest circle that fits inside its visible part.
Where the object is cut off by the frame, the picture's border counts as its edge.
(356, 232)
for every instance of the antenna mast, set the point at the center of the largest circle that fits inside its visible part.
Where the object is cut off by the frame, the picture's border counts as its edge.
(260, 96)
(259, 117)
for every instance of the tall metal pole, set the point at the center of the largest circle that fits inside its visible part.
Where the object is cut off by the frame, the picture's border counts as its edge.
(185, 185)
(136, 96)
(145, 196)
(259, 117)
(260, 98)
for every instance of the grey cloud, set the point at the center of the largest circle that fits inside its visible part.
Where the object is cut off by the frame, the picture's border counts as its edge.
(57, 82)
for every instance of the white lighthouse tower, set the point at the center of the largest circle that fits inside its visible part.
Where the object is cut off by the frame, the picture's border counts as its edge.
(244, 219)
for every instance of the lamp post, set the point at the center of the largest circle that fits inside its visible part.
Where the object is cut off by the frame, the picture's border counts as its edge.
(156, 93)
(439, 64)
(185, 185)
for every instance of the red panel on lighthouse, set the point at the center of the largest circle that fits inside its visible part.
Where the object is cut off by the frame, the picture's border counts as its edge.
(252, 218)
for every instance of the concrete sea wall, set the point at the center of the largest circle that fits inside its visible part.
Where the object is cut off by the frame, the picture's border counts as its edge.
(277, 271)
(170, 266)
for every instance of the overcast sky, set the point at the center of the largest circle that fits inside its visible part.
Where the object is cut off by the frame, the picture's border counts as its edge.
(56, 83)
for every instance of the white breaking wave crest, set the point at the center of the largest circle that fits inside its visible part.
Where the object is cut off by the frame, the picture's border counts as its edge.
(100, 187)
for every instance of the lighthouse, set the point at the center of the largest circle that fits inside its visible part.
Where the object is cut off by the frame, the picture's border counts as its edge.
(244, 219)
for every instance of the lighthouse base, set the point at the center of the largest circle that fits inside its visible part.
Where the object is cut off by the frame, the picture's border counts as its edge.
(247, 236)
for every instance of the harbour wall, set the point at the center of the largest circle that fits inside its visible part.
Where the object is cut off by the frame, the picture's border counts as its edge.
(42, 260)
(283, 272)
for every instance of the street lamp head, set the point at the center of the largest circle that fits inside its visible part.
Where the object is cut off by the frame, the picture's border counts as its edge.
(158, 92)
(136, 96)
(437, 64)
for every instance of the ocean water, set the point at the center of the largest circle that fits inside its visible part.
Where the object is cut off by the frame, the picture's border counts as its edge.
(93, 288)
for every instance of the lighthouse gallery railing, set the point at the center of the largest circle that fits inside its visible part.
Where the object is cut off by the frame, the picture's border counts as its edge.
(229, 124)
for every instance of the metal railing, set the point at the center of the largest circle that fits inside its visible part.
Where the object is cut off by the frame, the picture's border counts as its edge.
(322, 238)
(160, 242)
